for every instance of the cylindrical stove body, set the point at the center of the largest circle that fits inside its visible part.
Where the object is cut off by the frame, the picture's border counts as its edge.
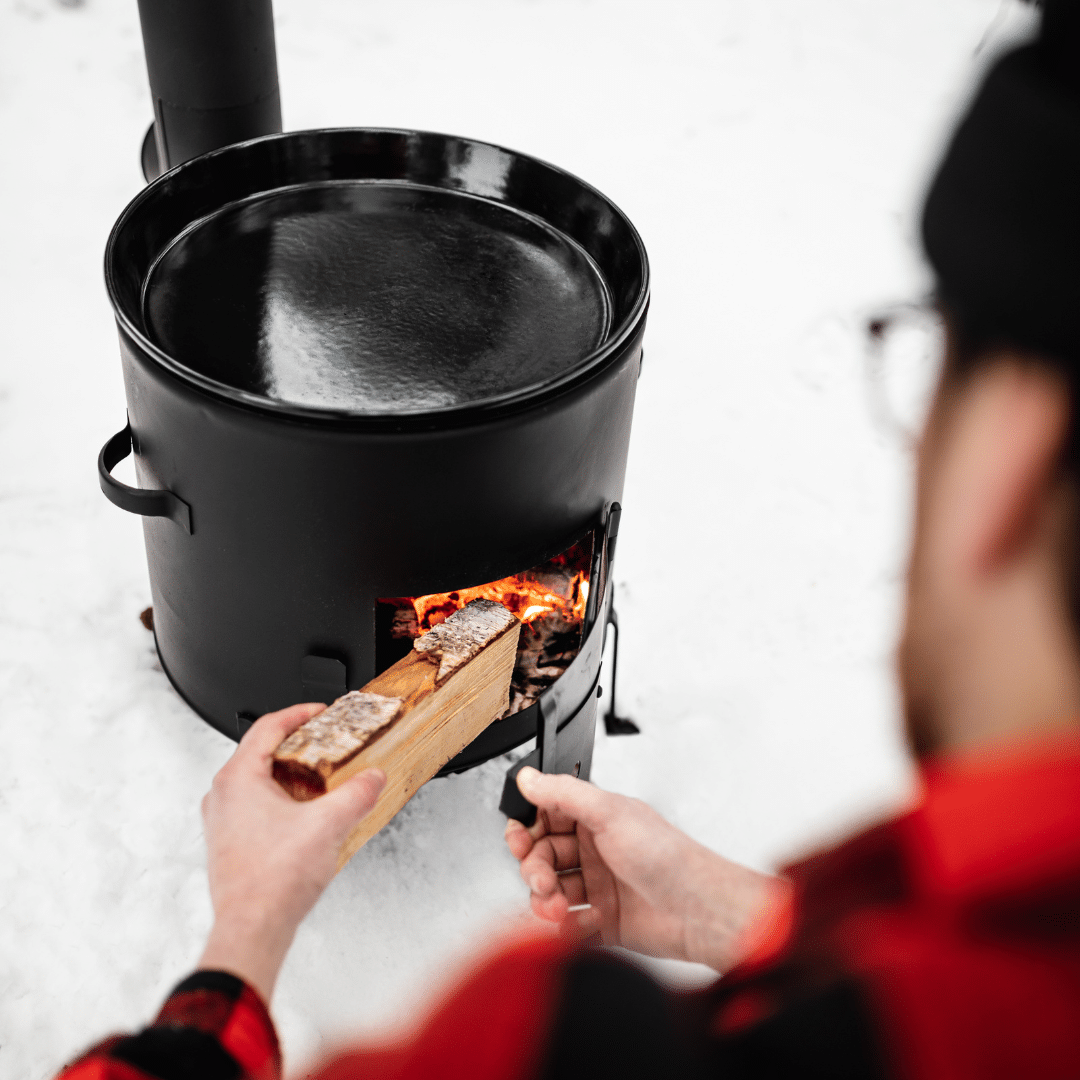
(301, 518)
(298, 528)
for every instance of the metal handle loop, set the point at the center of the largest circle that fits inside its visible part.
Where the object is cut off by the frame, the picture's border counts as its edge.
(144, 501)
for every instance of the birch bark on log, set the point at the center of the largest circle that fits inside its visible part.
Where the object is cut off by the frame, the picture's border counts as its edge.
(410, 720)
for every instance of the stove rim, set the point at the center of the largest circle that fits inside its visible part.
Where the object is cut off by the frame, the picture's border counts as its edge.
(284, 189)
(620, 338)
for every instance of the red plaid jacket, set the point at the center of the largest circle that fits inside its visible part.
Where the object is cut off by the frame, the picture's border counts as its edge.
(943, 945)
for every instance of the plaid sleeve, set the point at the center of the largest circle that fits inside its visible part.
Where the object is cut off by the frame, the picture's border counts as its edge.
(213, 1026)
(490, 1026)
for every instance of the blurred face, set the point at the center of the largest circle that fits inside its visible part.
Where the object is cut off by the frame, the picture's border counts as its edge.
(989, 643)
(927, 619)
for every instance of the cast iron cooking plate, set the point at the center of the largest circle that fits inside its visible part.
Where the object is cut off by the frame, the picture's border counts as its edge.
(570, 264)
(375, 296)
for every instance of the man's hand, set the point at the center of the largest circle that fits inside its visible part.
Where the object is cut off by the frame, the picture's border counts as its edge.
(651, 888)
(269, 857)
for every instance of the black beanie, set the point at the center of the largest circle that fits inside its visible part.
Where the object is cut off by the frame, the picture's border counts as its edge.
(1001, 223)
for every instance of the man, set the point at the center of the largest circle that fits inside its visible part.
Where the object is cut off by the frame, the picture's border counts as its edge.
(943, 943)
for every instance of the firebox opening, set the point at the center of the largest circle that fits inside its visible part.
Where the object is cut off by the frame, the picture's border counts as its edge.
(550, 599)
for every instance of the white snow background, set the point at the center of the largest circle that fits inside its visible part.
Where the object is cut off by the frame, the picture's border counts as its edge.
(772, 154)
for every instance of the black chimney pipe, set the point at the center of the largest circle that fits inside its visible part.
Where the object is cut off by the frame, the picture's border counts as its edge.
(213, 76)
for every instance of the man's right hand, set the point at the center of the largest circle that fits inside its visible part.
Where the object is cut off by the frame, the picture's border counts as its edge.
(650, 887)
(268, 857)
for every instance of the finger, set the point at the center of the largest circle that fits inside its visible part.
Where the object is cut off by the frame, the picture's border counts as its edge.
(551, 821)
(564, 796)
(548, 823)
(541, 879)
(551, 908)
(271, 730)
(557, 852)
(544, 884)
(572, 885)
(539, 870)
(518, 839)
(350, 803)
(582, 926)
(541, 826)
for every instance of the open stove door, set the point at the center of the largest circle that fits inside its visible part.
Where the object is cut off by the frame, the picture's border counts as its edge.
(566, 713)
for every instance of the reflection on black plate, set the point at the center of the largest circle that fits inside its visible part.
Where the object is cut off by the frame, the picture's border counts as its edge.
(375, 297)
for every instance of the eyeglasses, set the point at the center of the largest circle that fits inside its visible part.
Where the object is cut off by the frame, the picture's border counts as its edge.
(905, 346)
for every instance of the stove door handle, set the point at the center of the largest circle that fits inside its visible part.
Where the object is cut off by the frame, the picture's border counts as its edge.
(145, 501)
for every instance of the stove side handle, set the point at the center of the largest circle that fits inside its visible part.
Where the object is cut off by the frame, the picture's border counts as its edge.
(144, 501)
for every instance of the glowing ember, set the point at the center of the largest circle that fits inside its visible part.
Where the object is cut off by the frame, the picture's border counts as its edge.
(549, 599)
(529, 596)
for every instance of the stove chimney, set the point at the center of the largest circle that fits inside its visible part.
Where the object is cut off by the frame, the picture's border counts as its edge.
(213, 76)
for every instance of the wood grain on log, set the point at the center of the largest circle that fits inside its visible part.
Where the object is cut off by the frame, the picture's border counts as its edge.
(410, 720)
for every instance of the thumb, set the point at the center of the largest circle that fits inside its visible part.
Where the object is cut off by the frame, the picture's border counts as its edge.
(560, 794)
(352, 801)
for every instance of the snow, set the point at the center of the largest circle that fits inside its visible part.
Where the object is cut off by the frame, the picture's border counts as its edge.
(772, 155)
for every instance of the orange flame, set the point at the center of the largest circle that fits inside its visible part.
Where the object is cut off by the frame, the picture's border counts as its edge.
(527, 597)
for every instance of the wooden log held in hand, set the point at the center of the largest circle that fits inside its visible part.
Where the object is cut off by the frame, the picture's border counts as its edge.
(410, 720)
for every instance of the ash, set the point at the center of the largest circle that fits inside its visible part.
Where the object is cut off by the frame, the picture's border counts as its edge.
(546, 648)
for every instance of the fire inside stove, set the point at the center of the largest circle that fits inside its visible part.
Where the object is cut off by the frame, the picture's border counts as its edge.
(549, 599)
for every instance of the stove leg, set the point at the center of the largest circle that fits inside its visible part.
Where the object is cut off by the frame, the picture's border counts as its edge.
(613, 723)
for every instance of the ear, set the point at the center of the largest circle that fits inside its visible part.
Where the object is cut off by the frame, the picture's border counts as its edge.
(1009, 424)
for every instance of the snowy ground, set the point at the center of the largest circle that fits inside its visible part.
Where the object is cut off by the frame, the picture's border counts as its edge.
(772, 154)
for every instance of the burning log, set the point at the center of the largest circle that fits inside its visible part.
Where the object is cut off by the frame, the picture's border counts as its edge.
(546, 648)
(410, 720)
(550, 601)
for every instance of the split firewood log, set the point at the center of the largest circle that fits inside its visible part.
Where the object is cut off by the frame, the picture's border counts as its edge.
(410, 720)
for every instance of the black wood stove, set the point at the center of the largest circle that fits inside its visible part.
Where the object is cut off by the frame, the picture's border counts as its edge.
(368, 372)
